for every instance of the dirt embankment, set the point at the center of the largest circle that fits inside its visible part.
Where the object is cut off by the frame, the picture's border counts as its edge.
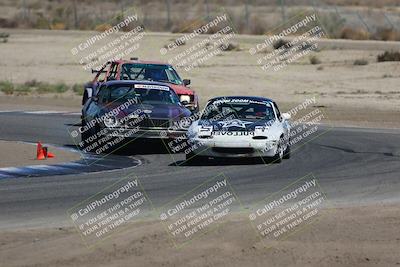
(347, 236)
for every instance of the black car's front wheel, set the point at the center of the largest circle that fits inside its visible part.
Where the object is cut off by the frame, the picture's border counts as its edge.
(84, 134)
(88, 135)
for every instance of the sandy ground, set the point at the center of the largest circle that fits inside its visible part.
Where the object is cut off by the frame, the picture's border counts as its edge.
(65, 102)
(13, 154)
(350, 95)
(346, 236)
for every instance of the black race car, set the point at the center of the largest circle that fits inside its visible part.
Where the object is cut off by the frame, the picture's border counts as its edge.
(132, 109)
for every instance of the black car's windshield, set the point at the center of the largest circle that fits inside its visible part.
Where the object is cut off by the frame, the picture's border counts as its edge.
(245, 110)
(150, 72)
(149, 94)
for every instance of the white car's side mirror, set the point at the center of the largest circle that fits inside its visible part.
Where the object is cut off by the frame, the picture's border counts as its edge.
(286, 116)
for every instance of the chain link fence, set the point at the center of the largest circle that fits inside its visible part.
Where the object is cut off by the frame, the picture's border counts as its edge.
(248, 16)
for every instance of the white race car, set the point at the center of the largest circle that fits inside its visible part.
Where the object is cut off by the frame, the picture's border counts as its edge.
(240, 126)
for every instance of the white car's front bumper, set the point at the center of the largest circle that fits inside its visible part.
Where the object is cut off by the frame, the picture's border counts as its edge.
(232, 147)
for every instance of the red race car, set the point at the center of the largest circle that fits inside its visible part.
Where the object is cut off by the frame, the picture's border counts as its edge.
(140, 70)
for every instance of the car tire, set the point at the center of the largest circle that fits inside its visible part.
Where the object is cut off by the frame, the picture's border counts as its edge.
(279, 153)
(84, 135)
(286, 154)
(87, 134)
(85, 97)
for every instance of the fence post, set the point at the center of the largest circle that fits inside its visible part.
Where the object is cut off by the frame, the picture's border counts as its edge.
(24, 16)
(246, 14)
(364, 22)
(167, 4)
(207, 10)
(75, 14)
(283, 8)
(388, 20)
(122, 8)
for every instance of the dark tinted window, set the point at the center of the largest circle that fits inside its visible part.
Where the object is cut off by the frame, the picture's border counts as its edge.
(103, 94)
(150, 72)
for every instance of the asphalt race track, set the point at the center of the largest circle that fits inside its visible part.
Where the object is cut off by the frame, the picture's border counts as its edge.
(352, 165)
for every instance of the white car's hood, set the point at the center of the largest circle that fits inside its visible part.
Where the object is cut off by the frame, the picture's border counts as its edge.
(236, 129)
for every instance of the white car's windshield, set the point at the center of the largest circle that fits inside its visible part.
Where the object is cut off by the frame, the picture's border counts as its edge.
(250, 110)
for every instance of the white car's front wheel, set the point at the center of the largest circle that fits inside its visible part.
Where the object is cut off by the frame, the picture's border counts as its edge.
(286, 154)
(280, 151)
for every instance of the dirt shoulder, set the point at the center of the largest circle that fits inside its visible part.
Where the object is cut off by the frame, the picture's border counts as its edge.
(48, 102)
(16, 154)
(347, 236)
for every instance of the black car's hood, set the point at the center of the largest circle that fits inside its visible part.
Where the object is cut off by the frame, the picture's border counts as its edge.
(167, 111)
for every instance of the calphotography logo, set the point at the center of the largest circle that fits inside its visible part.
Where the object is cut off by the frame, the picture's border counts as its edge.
(110, 210)
(114, 42)
(290, 42)
(199, 211)
(109, 129)
(207, 41)
(289, 210)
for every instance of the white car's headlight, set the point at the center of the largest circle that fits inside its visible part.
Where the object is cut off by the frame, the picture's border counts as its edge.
(111, 122)
(261, 130)
(205, 131)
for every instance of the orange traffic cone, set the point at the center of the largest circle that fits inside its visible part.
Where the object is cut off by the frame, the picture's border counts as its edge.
(40, 152)
(50, 155)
